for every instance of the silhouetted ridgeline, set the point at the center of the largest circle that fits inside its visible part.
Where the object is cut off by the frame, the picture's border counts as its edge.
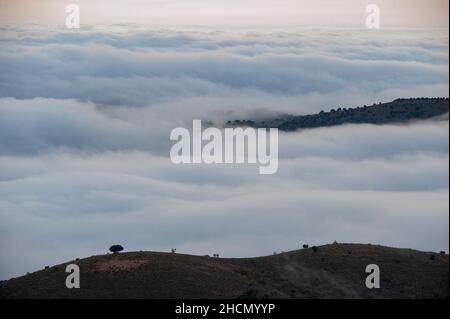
(331, 271)
(400, 110)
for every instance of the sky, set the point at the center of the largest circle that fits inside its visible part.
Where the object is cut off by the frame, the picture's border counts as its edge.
(85, 119)
(395, 13)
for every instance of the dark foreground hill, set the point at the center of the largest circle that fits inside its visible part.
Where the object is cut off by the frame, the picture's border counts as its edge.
(333, 271)
(400, 110)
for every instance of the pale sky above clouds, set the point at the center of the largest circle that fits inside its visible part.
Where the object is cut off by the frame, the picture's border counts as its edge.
(394, 13)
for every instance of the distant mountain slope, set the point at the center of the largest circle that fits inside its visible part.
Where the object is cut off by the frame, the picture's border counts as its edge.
(333, 271)
(400, 110)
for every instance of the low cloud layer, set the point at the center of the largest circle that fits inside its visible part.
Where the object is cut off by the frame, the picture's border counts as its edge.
(308, 69)
(84, 141)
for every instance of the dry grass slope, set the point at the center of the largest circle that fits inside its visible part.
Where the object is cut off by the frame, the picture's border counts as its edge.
(334, 271)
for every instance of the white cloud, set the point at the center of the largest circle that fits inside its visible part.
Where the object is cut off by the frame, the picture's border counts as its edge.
(147, 68)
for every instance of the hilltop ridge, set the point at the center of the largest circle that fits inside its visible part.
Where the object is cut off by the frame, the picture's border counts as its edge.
(329, 271)
(399, 110)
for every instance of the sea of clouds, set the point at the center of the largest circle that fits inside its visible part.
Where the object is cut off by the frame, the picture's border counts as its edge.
(85, 117)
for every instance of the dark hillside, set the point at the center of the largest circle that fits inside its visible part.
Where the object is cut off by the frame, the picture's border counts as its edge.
(400, 110)
(333, 271)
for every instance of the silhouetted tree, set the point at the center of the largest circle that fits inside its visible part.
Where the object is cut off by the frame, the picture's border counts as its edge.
(115, 248)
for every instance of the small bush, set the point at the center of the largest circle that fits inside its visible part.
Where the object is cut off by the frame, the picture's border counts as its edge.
(305, 246)
(242, 271)
(315, 249)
